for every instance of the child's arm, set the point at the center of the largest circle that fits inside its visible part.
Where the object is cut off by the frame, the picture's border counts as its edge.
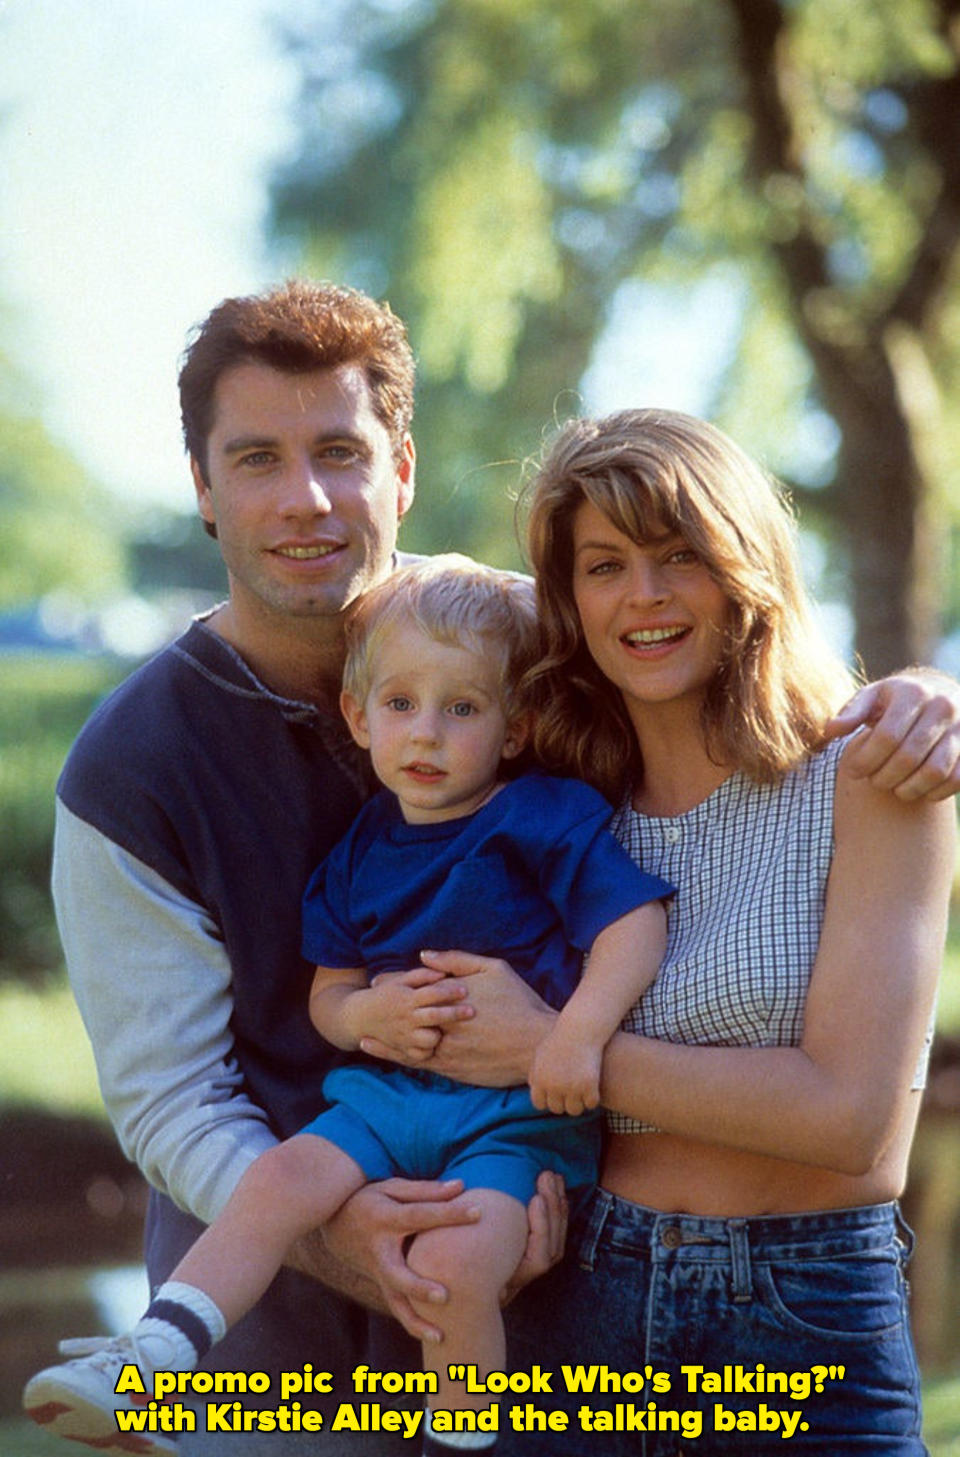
(623, 960)
(406, 1010)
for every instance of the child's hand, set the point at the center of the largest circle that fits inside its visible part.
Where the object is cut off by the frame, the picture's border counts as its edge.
(407, 1011)
(565, 1074)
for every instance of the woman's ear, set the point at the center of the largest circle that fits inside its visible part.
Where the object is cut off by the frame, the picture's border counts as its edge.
(356, 718)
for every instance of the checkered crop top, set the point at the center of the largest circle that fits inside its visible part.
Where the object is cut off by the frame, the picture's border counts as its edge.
(750, 864)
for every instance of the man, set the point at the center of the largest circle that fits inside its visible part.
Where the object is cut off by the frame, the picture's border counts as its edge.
(200, 797)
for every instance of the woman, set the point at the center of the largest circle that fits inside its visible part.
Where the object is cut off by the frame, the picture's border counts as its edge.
(764, 1094)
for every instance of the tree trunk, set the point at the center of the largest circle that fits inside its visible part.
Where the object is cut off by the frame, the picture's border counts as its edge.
(883, 499)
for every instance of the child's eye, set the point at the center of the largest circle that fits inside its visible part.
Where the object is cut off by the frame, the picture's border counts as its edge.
(462, 710)
(400, 703)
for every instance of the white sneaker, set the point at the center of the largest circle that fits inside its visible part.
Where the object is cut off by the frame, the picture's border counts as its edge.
(77, 1399)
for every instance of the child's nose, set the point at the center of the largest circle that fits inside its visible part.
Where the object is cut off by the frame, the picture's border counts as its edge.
(426, 729)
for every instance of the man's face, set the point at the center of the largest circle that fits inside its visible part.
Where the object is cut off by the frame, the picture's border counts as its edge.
(304, 489)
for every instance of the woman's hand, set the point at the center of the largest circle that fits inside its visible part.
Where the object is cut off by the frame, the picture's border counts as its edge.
(911, 745)
(547, 1216)
(493, 1048)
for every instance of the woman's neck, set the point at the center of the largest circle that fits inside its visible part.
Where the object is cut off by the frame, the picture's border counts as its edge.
(678, 773)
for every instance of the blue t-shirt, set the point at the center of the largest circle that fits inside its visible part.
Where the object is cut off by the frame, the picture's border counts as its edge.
(533, 876)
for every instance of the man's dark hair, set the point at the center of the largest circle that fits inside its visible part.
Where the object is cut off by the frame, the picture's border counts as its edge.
(296, 328)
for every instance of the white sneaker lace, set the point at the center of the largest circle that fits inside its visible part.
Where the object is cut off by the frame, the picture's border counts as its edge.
(103, 1352)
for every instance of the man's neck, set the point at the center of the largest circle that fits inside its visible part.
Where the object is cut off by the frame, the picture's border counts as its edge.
(297, 658)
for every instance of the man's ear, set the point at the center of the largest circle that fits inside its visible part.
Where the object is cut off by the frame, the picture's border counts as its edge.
(356, 718)
(517, 736)
(204, 499)
(406, 476)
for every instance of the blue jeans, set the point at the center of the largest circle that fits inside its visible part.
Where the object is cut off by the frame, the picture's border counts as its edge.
(725, 1335)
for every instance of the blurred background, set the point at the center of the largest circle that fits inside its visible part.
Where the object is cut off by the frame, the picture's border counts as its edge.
(742, 208)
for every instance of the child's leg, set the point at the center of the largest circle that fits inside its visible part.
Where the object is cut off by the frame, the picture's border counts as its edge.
(474, 1262)
(288, 1191)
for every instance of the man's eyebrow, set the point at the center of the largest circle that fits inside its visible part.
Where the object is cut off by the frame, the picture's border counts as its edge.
(248, 442)
(270, 442)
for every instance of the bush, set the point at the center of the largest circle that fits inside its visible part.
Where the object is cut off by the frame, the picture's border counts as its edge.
(43, 703)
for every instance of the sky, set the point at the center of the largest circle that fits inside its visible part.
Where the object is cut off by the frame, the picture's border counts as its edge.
(136, 139)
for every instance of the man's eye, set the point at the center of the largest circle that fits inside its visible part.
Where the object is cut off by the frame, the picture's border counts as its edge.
(256, 458)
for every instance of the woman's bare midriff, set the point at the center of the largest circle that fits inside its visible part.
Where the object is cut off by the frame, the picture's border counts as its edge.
(683, 1176)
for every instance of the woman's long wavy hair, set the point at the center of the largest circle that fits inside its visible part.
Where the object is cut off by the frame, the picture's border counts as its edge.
(655, 470)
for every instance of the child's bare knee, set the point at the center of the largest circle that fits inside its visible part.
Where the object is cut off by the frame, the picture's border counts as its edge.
(445, 1255)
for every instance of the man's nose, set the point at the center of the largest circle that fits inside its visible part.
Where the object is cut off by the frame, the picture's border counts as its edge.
(305, 491)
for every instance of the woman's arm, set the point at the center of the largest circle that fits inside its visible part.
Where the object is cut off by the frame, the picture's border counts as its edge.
(836, 1100)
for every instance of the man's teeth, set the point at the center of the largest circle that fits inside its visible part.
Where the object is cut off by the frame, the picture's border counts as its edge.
(647, 635)
(304, 553)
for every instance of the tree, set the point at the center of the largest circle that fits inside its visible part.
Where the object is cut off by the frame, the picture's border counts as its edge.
(499, 171)
(60, 530)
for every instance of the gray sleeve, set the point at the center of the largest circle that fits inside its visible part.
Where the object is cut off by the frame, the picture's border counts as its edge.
(152, 982)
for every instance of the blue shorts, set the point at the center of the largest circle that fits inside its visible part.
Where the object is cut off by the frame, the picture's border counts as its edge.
(822, 1296)
(424, 1126)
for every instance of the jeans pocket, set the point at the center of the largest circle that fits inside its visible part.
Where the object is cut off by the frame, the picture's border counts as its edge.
(847, 1298)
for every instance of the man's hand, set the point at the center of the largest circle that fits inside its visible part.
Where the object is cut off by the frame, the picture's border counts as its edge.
(370, 1232)
(494, 1047)
(368, 1238)
(911, 743)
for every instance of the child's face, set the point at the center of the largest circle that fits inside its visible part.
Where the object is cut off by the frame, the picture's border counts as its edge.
(434, 724)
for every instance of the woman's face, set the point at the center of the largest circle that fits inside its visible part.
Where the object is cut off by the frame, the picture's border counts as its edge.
(652, 615)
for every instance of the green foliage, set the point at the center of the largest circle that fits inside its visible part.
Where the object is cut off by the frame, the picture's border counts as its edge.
(498, 170)
(60, 530)
(43, 703)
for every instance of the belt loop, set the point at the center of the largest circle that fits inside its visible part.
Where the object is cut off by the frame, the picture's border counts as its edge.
(601, 1205)
(905, 1234)
(740, 1260)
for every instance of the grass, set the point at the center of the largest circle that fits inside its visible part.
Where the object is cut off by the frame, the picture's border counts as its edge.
(34, 1023)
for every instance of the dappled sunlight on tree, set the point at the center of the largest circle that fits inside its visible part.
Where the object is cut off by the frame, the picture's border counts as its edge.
(499, 171)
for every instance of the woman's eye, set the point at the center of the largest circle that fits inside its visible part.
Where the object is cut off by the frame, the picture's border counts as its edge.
(601, 569)
(683, 556)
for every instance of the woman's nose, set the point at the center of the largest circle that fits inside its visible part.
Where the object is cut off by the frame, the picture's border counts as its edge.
(648, 583)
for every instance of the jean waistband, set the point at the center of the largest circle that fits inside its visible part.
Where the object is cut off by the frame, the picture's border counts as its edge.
(618, 1224)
